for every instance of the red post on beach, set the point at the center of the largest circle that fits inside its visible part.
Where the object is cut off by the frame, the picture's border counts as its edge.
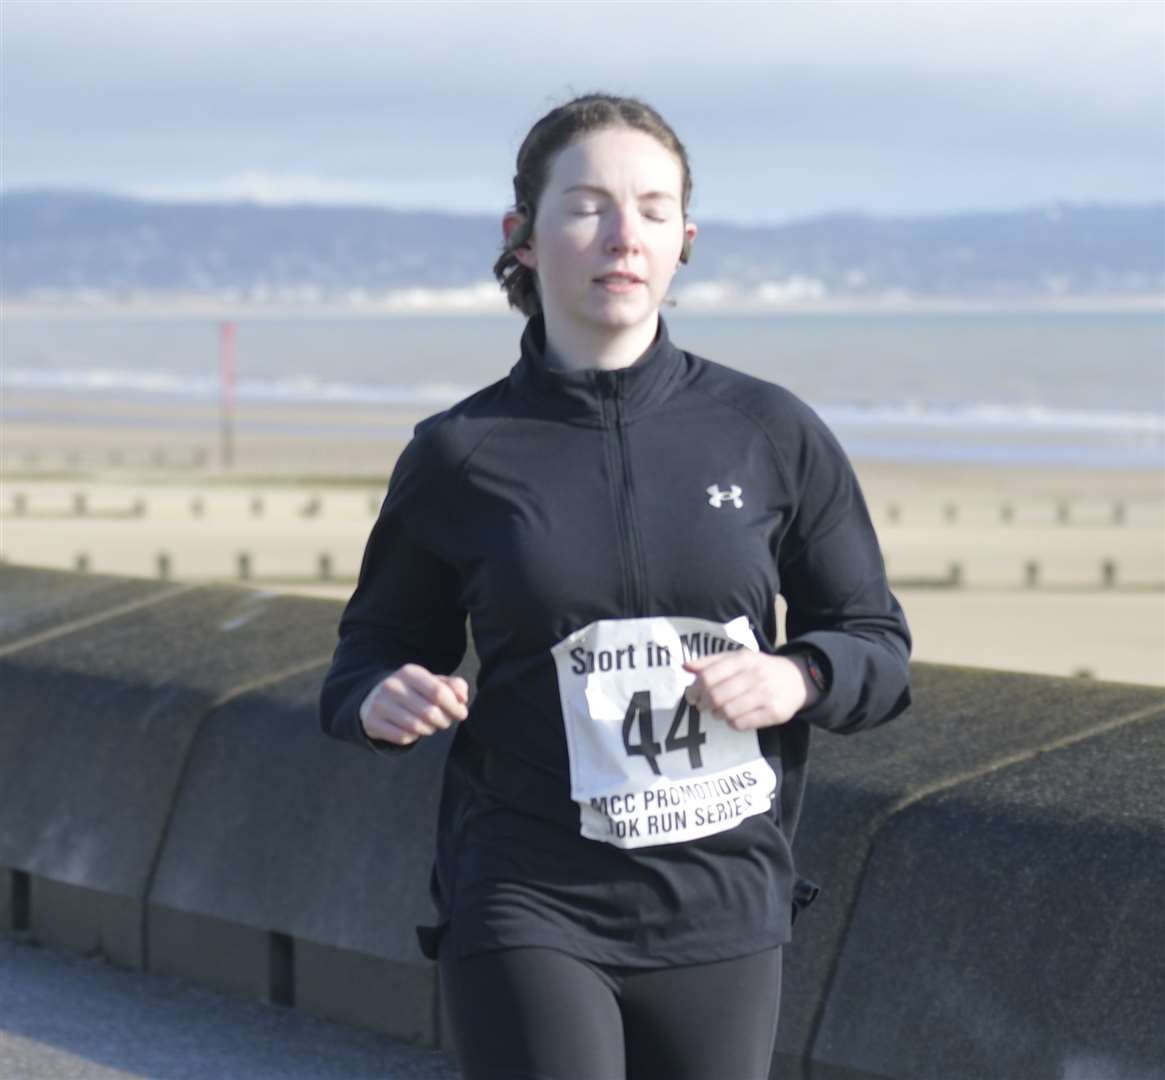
(226, 339)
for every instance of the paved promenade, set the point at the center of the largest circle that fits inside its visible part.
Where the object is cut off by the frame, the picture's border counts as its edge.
(64, 1017)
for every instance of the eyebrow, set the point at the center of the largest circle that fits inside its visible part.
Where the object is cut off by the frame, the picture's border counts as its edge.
(596, 190)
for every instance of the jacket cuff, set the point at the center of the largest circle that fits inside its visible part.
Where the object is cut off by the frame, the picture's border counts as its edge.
(823, 705)
(348, 726)
(820, 657)
(869, 681)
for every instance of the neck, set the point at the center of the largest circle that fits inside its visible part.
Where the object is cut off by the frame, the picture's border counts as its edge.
(574, 348)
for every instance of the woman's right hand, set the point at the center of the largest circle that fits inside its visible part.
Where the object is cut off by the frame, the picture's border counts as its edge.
(413, 702)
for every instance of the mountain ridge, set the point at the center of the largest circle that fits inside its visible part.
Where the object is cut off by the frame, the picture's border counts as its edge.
(59, 246)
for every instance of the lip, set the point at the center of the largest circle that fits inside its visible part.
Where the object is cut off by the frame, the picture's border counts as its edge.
(618, 281)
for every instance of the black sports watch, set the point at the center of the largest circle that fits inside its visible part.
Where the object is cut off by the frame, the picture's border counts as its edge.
(816, 673)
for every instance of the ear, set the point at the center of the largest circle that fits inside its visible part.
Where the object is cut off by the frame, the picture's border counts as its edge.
(516, 230)
(689, 235)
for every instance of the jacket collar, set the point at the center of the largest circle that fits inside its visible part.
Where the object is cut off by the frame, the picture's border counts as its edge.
(588, 394)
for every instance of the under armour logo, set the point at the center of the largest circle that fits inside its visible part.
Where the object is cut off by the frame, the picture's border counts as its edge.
(716, 497)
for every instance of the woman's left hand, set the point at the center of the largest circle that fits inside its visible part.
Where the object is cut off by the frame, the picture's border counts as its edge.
(749, 689)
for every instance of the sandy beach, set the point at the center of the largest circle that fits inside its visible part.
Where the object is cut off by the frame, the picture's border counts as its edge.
(1049, 570)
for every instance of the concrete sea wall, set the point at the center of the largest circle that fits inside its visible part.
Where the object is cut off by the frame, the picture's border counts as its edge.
(992, 863)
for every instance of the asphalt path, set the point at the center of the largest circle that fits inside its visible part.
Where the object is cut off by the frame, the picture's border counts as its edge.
(66, 1017)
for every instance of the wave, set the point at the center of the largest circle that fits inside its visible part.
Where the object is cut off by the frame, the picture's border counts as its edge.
(304, 389)
(904, 415)
(995, 417)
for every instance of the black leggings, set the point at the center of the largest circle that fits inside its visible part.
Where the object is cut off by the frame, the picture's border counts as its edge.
(540, 1014)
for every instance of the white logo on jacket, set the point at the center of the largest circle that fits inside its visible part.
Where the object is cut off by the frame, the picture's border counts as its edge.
(716, 497)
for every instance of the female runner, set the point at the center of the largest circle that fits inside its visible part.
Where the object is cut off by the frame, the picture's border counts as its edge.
(616, 516)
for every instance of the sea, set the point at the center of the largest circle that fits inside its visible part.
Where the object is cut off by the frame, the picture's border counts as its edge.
(1074, 388)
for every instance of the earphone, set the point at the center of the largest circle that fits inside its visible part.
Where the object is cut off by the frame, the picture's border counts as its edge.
(520, 237)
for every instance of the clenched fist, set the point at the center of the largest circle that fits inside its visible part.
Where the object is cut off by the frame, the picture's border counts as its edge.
(413, 702)
(750, 690)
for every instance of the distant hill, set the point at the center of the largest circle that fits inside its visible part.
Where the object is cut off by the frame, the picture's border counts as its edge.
(59, 246)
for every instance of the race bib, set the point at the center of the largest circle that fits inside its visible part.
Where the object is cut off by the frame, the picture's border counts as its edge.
(645, 766)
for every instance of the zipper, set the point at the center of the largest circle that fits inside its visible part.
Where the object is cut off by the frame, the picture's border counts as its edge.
(630, 542)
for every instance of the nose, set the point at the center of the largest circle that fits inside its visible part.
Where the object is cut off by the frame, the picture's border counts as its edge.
(623, 230)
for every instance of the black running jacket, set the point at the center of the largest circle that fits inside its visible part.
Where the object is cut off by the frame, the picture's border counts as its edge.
(599, 527)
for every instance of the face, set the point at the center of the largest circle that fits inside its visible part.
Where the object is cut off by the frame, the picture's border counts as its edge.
(608, 233)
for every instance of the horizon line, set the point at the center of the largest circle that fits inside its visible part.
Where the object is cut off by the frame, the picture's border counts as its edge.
(114, 195)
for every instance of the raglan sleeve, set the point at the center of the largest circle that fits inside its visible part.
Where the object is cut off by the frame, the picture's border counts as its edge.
(405, 607)
(839, 604)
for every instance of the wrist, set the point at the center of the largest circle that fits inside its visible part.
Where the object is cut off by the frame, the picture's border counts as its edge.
(813, 675)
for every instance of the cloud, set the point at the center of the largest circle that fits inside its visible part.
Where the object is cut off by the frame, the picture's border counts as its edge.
(296, 59)
(298, 188)
(271, 189)
(416, 101)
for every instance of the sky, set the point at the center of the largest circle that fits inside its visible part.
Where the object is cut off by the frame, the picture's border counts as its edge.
(788, 110)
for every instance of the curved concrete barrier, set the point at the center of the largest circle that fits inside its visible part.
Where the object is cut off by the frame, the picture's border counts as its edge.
(1016, 922)
(991, 862)
(295, 867)
(965, 725)
(99, 715)
(48, 601)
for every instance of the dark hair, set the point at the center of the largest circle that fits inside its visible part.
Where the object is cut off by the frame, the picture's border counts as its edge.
(556, 130)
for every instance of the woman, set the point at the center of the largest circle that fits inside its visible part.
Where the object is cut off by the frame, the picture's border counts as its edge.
(616, 516)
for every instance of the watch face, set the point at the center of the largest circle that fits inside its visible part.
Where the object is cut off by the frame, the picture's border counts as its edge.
(815, 673)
